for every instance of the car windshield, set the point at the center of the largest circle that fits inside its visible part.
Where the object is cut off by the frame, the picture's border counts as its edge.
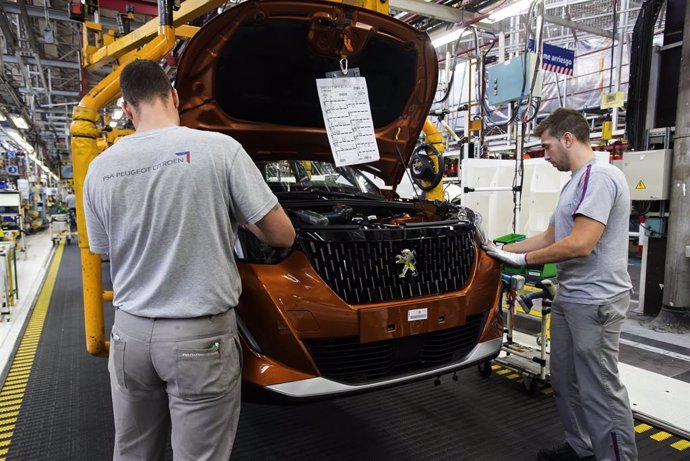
(325, 177)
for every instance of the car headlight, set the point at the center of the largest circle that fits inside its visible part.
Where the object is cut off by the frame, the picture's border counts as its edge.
(480, 235)
(470, 216)
(250, 249)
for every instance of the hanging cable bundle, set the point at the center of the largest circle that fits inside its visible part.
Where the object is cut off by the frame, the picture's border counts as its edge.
(640, 62)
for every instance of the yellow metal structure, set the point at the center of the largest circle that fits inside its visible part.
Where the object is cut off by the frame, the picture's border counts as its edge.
(189, 10)
(380, 6)
(434, 136)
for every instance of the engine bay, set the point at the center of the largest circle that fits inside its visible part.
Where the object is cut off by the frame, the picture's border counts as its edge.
(373, 214)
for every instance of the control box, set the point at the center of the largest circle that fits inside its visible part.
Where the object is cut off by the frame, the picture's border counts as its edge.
(648, 173)
(507, 80)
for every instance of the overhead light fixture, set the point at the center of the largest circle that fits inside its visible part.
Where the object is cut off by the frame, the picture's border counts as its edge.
(117, 114)
(512, 9)
(447, 38)
(20, 140)
(19, 122)
(113, 124)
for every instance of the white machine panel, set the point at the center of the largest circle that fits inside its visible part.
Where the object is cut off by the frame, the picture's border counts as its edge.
(648, 173)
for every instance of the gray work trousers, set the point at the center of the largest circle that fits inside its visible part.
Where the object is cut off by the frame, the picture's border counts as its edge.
(179, 373)
(592, 402)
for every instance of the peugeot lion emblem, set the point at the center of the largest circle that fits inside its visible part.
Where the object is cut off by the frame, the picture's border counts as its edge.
(407, 259)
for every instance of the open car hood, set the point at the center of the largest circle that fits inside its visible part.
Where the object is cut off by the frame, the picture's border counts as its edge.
(251, 71)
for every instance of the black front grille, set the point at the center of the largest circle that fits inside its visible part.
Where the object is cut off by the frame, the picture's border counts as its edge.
(346, 360)
(362, 272)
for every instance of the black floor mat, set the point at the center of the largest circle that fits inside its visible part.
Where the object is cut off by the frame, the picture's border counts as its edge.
(66, 412)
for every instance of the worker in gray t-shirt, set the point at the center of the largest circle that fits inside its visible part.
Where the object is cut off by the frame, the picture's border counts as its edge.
(165, 204)
(587, 237)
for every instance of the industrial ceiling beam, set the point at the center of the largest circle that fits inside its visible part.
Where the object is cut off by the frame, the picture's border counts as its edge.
(53, 13)
(140, 7)
(435, 11)
(12, 46)
(26, 22)
(47, 62)
(577, 26)
(69, 94)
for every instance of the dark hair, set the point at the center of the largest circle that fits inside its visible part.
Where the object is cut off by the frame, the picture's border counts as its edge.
(143, 81)
(562, 120)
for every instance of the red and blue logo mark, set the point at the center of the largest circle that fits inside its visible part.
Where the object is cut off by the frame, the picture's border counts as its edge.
(186, 154)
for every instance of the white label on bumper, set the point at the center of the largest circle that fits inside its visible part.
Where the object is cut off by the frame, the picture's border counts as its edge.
(416, 314)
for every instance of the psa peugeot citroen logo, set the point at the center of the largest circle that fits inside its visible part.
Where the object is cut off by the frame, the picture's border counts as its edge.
(407, 259)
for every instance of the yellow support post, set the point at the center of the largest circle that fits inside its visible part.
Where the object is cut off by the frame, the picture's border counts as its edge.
(434, 136)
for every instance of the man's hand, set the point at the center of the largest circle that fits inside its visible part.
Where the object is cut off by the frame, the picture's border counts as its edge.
(512, 259)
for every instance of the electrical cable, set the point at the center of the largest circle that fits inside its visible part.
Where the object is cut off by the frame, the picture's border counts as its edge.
(402, 162)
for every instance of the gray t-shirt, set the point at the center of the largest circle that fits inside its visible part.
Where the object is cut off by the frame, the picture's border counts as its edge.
(165, 204)
(600, 192)
(71, 201)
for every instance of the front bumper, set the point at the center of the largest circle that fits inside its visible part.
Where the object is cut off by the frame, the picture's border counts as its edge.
(321, 387)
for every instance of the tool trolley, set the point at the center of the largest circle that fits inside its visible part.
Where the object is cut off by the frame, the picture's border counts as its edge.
(531, 362)
(60, 228)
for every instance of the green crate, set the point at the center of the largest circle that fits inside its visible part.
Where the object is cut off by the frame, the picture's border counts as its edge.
(510, 238)
(542, 271)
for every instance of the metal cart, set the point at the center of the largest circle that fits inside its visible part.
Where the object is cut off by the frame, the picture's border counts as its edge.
(59, 227)
(531, 362)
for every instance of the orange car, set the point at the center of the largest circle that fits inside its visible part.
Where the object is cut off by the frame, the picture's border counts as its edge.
(375, 292)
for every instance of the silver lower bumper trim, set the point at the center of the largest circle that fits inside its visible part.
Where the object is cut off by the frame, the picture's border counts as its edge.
(321, 387)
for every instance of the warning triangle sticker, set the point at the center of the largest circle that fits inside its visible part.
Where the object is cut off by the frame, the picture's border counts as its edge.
(640, 185)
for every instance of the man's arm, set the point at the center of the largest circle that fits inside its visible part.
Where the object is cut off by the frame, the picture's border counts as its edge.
(274, 229)
(537, 242)
(581, 241)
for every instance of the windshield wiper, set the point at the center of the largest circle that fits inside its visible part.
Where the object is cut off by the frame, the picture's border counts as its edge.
(334, 193)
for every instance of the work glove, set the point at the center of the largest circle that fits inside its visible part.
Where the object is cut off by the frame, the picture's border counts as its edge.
(512, 259)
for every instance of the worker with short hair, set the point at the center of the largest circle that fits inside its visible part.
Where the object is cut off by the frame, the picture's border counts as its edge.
(587, 237)
(71, 202)
(165, 203)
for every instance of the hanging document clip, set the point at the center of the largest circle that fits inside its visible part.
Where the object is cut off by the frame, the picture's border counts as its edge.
(343, 66)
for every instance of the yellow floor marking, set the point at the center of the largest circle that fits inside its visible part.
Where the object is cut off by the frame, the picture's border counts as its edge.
(547, 391)
(503, 372)
(7, 421)
(495, 367)
(513, 376)
(23, 367)
(27, 350)
(681, 445)
(17, 375)
(10, 400)
(11, 392)
(660, 436)
(14, 386)
(640, 428)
